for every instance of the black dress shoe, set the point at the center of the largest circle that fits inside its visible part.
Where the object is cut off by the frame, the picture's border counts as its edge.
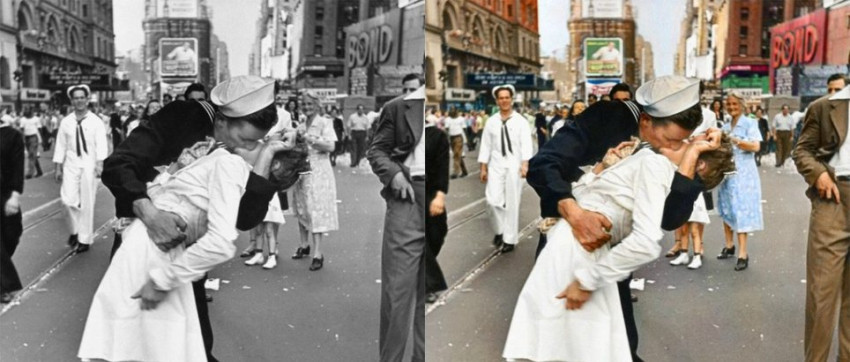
(742, 264)
(464, 174)
(507, 248)
(301, 252)
(73, 240)
(209, 298)
(431, 298)
(453, 176)
(82, 248)
(726, 253)
(497, 240)
(6, 298)
(317, 263)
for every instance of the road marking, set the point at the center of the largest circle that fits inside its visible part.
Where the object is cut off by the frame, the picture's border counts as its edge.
(476, 271)
(42, 278)
(48, 205)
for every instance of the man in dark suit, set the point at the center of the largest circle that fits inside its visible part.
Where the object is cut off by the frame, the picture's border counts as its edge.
(604, 125)
(822, 159)
(436, 188)
(179, 125)
(541, 126)
(397, 156)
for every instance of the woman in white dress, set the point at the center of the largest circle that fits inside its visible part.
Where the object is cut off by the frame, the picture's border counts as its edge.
(202, 192)
(631, 195)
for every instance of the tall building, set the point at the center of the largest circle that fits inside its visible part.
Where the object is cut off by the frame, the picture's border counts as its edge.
(220, 59)
(8, 55)
(473, 43)
(605, 23)
(62, 43)
(270, 54)
(178, 45)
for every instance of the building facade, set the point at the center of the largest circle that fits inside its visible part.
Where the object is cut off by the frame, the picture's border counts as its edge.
(63, 42)
(8, 55)
(471, 43)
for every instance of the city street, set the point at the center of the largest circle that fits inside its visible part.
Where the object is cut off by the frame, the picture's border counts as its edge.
(285, 314)
(710, 314)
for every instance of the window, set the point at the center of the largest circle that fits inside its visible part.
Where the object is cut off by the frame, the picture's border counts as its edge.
(320, 33)
(5, 77)
(85, 10)
(745, 13)
(448, 24)
(510, 11)
(320, 12)
(451, 81)
(742, 50)
(529, 12)
(317, 49)
(26, 77)
(430, 75)
(744, 32)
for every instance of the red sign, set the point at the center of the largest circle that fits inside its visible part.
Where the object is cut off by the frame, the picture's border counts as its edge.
(799, 41)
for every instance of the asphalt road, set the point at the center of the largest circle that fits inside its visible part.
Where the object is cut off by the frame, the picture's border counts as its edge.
(710, 314)
(285, 314)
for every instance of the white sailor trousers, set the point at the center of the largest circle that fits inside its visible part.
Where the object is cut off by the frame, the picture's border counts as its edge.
(504, 193)
(79, 186)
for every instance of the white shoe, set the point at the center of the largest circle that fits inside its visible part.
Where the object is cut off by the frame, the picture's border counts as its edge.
(271, 262)
(256, 259)
(696, 263)
(680, 260)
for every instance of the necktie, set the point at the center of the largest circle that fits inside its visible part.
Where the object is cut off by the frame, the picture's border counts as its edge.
(81, 136)
(508, 136)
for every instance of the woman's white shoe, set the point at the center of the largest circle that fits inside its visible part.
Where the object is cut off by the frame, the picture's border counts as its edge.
(271, 262)
(680, 260)
(256, 259)
(696, 263)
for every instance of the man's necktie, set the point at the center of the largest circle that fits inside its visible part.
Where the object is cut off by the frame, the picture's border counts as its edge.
(81, 136)
(504, 136)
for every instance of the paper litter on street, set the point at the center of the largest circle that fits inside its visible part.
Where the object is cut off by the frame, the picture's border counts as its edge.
(637, 283)
(212, 283)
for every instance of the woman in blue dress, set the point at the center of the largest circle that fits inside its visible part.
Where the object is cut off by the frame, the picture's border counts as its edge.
(739, 196)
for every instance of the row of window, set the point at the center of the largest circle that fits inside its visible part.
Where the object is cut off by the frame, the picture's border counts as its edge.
(71, 37)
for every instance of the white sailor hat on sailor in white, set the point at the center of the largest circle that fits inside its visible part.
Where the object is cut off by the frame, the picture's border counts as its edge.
(504, 86)
(84, 87)
(243, 95)
(668, 95)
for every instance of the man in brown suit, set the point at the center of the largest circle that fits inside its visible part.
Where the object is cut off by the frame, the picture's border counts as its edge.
(823, 158)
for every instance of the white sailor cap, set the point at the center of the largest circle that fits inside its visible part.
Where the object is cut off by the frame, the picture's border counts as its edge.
(84, 87)
(504, 86)
(668, 95)
(243, 95)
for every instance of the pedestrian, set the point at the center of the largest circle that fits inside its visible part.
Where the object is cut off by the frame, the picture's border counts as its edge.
(621, 92)
(591, 99)
(436, 189)
(455, 126)
(541, 125)
(315, 193)
(160, 321)
(167, 98)
(195, 92)
(266, 232)
(339, 130)
(766, 135)
(719, 114)
(80, 150)
(358, 125)
(596, 130)
(739, 197)
(150, 109)
(783, 128)
(29, 125)
(822, 159)
(11, 188)
(505, 151)
(563, 118)
(45, 130)
(397, 156)
(176, 127)
(471, 130)
(577, 108)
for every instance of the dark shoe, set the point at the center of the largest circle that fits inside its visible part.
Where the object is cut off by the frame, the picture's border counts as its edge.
(634, 298)
(301, 252)
(453, 176)
(247, 253)
(317, 263)
(431, 298)
(28, 177)
(39, 174)
(672, 253)
(726, 253)
(498, 240)
(82, 248)
(464, 174)
(7, 298)
(507, 248)
(209, 298)
(742, 264)
(73, 240)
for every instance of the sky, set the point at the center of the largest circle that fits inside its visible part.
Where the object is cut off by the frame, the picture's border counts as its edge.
(658, 21)
(233, 22)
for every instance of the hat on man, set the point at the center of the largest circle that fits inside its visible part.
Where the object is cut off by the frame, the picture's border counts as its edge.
(84, 87)
(504, 86)
(668, 95)
(243, 95)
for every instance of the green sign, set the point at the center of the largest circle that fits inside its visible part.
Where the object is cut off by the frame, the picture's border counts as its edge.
(603, 57)
(754, 81)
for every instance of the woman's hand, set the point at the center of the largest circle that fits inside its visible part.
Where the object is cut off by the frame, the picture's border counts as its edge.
(149, 295)
(575, 296)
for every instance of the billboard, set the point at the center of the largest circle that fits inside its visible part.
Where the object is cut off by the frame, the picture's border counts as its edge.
(603, 57)
(600, 86)
(489, 80)
(799, 41)
(374, 41)
(602, 8)
(178, 57)
(173, 9)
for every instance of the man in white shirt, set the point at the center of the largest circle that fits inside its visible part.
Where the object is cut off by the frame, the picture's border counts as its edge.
(80, 150)
(783, 127)
(823, 159)
(357, 126)
(504, 154)
(397, 156)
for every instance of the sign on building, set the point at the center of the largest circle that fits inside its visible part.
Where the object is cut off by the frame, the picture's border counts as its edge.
(389, 77)
(460, 95)
(603, 57)
(178, 57)
(602, 9)
(373, 41)
(487, 80)
(33, 94)
(599, 86)
(173, 9)
(64, 80)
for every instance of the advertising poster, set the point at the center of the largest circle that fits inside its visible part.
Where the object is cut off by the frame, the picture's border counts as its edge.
(600, 86)
(602, 9)
(603, 57)
(178, 57)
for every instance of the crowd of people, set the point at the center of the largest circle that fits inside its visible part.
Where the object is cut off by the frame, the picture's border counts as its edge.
(685, 147)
